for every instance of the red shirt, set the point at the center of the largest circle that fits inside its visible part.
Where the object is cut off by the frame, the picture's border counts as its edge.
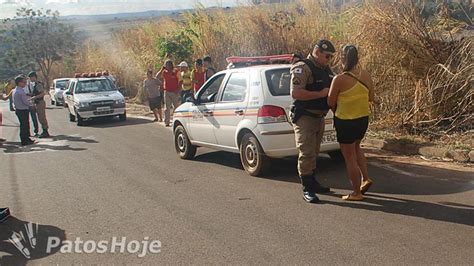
(200, 78)
(171, 80)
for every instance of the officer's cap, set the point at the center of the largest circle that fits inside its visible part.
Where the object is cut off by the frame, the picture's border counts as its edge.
(325, 46)
(32, 74)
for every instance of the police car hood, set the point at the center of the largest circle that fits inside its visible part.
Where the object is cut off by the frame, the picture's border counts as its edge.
(98, 96)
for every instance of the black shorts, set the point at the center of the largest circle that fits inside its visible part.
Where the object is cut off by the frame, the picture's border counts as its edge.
(155, 102)
(350, 131)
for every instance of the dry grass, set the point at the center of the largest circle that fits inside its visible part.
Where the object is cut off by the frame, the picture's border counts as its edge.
(423, 75)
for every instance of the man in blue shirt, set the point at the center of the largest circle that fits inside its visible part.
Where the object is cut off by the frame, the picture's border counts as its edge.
(22, 104)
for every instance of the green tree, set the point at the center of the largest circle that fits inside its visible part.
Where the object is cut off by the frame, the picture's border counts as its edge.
(177, 44)
(36, 40)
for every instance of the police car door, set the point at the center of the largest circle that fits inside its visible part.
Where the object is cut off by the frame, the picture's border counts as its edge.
(202, 120)
(230, 108)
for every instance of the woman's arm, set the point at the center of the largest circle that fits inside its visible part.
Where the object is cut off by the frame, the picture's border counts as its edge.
(334, 92)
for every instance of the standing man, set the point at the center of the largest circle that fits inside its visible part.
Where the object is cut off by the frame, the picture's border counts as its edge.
(208, 66)
(151, 88)
(171, 85)
(186, 81)
(38, 92)
(198, 75)
(34, 116)
(310, 82)
(22, 104)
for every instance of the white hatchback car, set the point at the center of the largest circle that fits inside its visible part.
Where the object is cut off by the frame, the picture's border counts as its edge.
(246, 111)
(56, 92)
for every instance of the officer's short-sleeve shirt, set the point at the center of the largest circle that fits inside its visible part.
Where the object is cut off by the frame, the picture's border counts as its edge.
(301, 76)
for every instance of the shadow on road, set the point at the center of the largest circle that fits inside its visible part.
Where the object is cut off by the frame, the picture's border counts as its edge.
(427, 210)
(107, 122)
(56, 143)
(36, 251)
(390, 178)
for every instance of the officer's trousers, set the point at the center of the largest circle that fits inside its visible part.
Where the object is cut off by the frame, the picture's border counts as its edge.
(309, 133)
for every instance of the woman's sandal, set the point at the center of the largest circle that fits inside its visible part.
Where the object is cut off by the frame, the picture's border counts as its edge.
(366, 185)
(351, 197)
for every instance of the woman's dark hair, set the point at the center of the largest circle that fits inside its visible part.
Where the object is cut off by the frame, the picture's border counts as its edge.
(199, 62)
(350, 56)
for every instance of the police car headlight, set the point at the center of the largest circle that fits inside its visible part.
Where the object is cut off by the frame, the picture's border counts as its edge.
(120, 101)
(83, 104)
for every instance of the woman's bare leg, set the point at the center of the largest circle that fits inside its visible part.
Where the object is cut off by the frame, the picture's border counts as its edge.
(361, 161)
(353, 171)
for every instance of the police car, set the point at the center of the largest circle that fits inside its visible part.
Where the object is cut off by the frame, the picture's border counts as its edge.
(92, 97)
(245, 110)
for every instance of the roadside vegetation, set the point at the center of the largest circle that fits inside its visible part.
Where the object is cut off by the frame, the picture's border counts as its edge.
(419, 52)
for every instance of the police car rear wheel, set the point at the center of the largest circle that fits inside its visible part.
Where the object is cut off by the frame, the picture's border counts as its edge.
(183, 146)
(253, 159)
(72, 118)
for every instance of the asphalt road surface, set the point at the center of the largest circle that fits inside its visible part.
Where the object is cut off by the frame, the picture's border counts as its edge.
(124, 180)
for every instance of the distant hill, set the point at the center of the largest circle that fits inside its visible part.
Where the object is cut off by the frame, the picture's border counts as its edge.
(121, 16)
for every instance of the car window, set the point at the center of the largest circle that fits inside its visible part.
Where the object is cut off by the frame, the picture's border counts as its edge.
(236, 88)
(61, 84)
(209, 91)
(93, 85)
(278, 81)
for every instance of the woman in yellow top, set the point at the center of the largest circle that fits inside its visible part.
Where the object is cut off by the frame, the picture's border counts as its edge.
(349, 98)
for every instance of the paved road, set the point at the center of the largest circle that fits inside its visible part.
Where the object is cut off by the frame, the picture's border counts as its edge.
(117, 179)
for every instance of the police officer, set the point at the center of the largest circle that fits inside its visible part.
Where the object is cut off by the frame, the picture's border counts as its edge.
(38, 93)
(310, 82)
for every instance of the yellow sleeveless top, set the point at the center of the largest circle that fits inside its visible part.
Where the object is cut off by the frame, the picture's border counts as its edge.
(353, 103)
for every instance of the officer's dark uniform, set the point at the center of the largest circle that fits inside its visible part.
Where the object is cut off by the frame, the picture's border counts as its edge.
(308, 118)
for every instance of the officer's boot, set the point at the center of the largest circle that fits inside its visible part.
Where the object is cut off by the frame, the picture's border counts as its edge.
(309, 194)
(318, 188)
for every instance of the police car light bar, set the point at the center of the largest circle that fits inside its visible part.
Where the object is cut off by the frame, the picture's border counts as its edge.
(287, 58)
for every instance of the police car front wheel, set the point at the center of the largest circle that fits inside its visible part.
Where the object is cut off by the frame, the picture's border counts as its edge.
(183, 146)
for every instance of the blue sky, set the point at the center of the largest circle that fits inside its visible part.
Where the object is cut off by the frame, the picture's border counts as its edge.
(89, 7)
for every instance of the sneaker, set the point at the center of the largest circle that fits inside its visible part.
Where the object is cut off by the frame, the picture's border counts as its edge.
(28, 142)
(43, 135)
(4, 214)
(310, 197)
(36, 135)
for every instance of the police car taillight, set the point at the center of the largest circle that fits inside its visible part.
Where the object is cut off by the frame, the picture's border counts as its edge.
(271, 114)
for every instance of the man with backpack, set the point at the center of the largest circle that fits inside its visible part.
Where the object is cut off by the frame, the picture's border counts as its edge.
(310, 82)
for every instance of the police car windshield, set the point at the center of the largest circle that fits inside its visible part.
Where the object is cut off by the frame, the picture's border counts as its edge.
(97, 85)
(61, 84)
(278, 81)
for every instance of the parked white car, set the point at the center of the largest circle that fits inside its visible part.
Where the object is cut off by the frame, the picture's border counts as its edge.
(56, 91)
(88, 98)
(246, 111)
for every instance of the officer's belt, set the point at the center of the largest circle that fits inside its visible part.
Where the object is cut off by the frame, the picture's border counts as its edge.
(313, 113)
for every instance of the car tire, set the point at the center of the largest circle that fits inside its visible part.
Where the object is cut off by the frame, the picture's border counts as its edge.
(183, 146)
(336, 156)
(123, 117)
(252, 156)
(52, 102)
(79, 120)
(72, 118)
(58, 103)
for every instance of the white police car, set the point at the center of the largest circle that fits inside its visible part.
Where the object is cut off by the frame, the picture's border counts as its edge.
(88, 98)
(244, 110)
